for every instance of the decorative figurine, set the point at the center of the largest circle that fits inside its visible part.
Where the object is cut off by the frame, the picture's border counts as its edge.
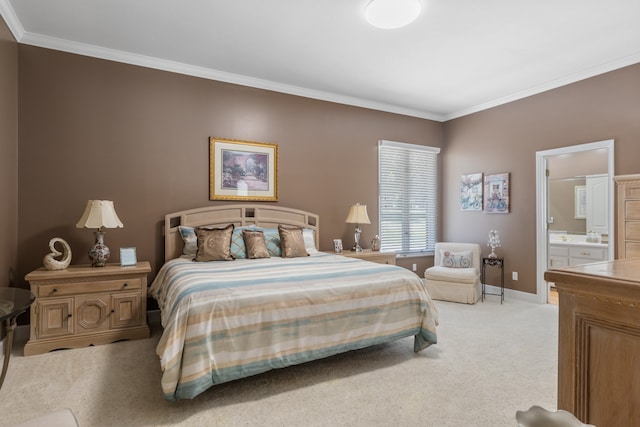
(50, 262)
(375, 243)
(494, 242)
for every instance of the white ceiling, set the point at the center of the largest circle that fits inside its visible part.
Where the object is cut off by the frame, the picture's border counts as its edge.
(458, 57)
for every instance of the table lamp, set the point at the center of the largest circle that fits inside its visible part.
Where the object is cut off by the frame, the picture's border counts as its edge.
(99, 214)
(357, 215)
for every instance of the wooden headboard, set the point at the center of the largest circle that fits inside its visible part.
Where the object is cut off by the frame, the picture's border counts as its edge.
(239, 215)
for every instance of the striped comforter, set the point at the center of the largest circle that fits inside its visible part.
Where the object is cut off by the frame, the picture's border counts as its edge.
(231, 319)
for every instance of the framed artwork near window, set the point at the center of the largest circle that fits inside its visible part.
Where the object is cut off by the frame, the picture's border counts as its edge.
(496, 193)
(242, 170)
(471, 192)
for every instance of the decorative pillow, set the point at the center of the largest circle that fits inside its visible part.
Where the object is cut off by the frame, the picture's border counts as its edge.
(190, 241)
(292, 242)
(272, 240)
(309, 241)
(455, 259)
(214, 244)
(254, 242)
(238, 248)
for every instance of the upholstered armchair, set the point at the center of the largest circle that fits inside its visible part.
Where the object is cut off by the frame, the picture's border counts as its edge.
(455, 275)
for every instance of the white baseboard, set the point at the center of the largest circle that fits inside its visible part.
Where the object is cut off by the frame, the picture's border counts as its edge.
(510, 293)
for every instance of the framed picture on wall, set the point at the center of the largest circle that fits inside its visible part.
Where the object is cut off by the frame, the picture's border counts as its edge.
(471, 192)
(242, 170)
(496, 193)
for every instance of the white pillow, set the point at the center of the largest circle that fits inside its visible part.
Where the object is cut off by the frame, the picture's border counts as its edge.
(309, 240)
(188, 235)
(455, 259)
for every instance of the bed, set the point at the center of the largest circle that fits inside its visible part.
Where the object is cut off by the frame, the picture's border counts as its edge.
(225, 320)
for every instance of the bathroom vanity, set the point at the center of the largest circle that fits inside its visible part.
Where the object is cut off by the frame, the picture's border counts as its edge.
(567, 250)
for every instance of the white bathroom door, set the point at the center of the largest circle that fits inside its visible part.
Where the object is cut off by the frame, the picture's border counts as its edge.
(597, 203)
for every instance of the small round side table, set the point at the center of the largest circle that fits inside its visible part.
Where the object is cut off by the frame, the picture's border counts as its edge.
(13, 302)
(492, 262)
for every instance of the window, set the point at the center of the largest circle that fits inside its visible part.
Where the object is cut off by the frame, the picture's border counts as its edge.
(408, 197)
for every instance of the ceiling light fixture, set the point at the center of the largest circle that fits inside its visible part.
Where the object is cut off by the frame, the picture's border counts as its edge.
(390, 14)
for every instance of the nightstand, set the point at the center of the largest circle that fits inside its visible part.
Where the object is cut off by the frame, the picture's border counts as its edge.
(369, 255)
(84, 305)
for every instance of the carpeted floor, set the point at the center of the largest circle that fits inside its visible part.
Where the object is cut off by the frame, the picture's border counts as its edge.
(490, 361)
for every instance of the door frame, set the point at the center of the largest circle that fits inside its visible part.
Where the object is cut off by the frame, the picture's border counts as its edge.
(542, 206)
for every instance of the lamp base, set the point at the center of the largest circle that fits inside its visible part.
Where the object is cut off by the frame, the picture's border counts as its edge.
(99, 252)
(356, 246)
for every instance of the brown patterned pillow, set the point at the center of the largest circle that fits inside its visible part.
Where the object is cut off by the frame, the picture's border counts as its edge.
(214, 244)
(254, 242)
(292, 242)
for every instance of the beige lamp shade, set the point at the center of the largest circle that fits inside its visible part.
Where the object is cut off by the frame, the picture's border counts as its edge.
(358, 215)
(99, 214)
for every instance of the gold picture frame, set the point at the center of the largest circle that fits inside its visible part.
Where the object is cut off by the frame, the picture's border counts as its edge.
(242, 170)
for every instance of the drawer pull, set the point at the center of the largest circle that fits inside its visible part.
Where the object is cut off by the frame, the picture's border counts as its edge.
(69, 315)
(125, 285)
(55, 289)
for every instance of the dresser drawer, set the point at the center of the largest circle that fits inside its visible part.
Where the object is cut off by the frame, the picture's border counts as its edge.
(558, 251)
(632, 230)
(595, 254)
(632, 192)
(632, 249)
(75, 288)
(632, 209)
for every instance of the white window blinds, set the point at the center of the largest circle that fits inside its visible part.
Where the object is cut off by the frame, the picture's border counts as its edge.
(408, 196)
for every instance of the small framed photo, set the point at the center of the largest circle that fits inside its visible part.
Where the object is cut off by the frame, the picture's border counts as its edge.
(337, 246)
(128, 257)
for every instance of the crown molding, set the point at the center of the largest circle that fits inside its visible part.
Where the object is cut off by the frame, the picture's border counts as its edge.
(10, 17)
(554, 84)
(38, 40)
(212, 74)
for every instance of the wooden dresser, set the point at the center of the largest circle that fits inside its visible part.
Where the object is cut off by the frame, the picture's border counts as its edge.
(628, 216)
(84, 305)
(599, 341)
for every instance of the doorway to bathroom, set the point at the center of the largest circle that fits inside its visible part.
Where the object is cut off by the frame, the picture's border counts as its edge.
(574, 208)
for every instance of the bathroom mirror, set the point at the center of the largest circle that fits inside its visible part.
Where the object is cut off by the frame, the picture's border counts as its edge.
(578, 204)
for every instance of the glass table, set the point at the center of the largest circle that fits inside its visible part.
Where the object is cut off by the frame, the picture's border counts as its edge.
(13, 302)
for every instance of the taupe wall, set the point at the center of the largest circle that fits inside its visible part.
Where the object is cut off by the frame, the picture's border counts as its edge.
(8, 154)
(506, 138)
(93, 129)
(98, 129)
